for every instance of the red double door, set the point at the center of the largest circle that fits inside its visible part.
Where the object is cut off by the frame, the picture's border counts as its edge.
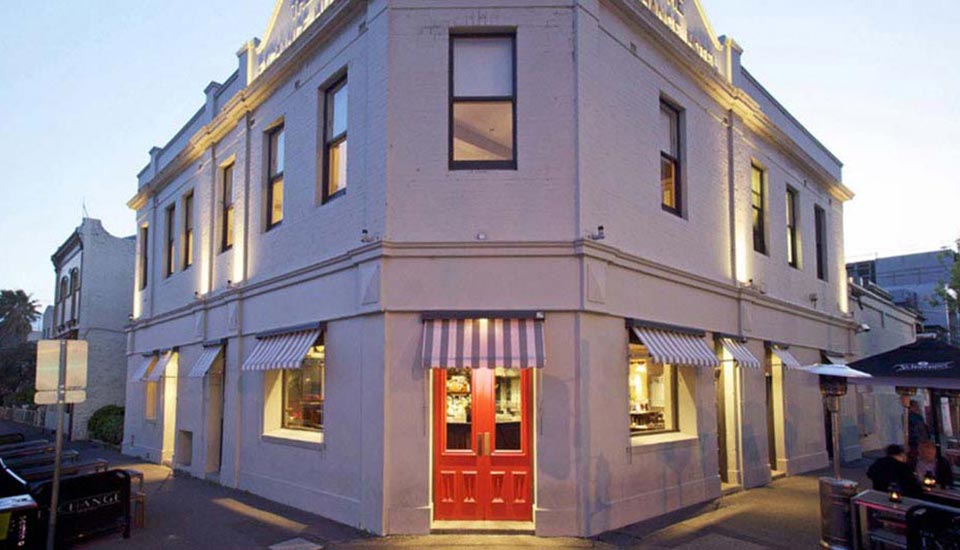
(483, 444)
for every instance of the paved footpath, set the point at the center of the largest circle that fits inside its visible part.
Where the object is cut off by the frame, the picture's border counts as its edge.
(187, 513)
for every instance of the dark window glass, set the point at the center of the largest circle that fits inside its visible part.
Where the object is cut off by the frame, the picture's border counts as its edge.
(226, 220)
(459, 417)
(303, 393)
(758, 192)
(335, 139)
(793, 244)
(820, 226)
(670, 195)
(509, 413)
(275, 177)
(188, 230)
(170, 254)
(483, 101)
(144, 255)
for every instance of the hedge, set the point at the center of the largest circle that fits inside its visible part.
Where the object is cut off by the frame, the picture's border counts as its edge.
(106, 424)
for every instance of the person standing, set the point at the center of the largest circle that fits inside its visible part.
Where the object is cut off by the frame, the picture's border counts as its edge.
(917, 430)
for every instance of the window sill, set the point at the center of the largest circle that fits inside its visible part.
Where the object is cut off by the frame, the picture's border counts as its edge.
(294, 438)
(333, 197)
(659, 442)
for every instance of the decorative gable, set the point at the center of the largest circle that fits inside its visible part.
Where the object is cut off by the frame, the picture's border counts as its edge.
(686, 19)
(289, 20)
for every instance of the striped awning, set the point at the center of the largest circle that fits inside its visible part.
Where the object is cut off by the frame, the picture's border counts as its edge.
(676, 348)
(205, 361)
(166, 360)
(141, 373)
(483, 343)
(741, 354)
(282, 351)
(787, 358)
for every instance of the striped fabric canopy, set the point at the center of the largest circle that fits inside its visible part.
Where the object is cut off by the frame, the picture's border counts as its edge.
(741, 354)
(169, 358)
(483, 343)
(205, 361)
(143, 369)
(676, 348)
(788, 360)
(282, 351)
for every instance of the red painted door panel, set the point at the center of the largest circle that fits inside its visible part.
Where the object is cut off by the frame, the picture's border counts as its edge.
(483, 444)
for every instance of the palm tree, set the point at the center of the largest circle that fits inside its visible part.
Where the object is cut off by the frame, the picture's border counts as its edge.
(18, 312)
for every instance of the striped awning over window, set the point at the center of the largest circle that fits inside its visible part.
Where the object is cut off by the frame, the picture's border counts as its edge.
(167, 360)
(676, 348)
(205, 361)
(483, 343)
(282, 351)
(741, 354)
(143, 368)
(787, 358)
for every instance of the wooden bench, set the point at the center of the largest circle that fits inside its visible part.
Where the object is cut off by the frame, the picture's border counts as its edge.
(44, 459)
(42, 473)
(27, 450)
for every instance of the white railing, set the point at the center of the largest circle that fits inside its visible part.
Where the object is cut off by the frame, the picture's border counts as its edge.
(33, 417)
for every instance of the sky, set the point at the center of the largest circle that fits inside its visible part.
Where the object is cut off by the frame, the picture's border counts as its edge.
(87, 88)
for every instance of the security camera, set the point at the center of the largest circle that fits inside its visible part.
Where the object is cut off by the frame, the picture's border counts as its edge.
(863, 327)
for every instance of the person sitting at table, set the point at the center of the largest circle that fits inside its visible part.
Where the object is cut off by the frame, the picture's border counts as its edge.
(893, 468)
(929, 463)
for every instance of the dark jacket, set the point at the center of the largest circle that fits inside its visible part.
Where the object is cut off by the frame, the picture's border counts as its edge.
(889, 470)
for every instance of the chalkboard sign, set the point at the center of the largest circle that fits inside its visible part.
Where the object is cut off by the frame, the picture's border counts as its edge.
(90, 505)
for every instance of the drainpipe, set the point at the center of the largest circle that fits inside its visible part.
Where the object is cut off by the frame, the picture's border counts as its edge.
(732, 219)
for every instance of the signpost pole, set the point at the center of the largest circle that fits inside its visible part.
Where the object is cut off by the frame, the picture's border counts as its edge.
(55, 496)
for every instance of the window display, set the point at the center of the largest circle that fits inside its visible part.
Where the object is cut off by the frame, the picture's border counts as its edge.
(653, 395)
(303, 393)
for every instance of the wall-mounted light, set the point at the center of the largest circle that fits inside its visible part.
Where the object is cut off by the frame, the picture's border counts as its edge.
(599, 235)
(366, 237)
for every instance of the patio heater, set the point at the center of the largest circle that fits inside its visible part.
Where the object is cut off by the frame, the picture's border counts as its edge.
(836, 526)
(905, 394)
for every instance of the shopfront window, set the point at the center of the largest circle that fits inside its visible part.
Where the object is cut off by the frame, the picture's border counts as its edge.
(509, 415)
(303, 393)
(459, 409)
(653, 395)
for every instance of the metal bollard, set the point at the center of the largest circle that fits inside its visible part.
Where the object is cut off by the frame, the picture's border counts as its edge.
(836, 515)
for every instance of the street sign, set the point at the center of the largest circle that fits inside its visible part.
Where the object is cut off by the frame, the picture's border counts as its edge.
(61, 379)
(50, 397)
(48, 367)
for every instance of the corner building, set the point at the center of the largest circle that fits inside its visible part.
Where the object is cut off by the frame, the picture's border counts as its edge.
(561, 279)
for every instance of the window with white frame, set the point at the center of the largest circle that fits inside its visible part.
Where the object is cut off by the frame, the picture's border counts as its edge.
(654, 404)
(303, 392)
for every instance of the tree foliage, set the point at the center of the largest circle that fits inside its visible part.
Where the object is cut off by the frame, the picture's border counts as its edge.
(18, 357)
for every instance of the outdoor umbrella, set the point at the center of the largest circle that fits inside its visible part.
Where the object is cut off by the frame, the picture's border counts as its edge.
(926, 363)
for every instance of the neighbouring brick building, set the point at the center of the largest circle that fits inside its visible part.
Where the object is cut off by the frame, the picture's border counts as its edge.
(94, 273)
(564, 276)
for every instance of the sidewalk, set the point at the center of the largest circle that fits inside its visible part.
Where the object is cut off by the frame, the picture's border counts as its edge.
(187, 513)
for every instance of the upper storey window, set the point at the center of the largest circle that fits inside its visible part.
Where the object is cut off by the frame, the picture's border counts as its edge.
(793, 241)
(170, 247)
(758, 201)
(188, 230)
(670, 193)
(144, 255)
(483, 102)
(820, 227)
(274, 177)
(226, 215)
(335, 140)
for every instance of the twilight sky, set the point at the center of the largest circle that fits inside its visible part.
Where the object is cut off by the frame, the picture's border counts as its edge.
(86, 88)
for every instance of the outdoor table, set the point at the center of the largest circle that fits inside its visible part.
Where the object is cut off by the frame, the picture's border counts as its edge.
(940, 495)
(39, 448)
(31, 461)
(22, 445)
(42, 473)
(877, 520)
(11, 438)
